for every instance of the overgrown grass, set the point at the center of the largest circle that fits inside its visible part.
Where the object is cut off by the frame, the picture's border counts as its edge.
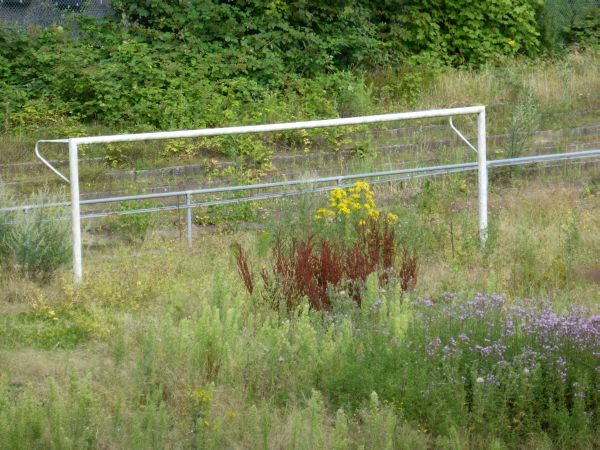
(166, 349)
(162, 347)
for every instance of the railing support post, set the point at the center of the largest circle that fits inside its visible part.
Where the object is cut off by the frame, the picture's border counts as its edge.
(75, 212)
(188, 204)
(482, 177)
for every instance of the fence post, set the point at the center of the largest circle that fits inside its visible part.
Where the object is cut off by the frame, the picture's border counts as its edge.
(482, 177)
(75, 212)
(188, 204)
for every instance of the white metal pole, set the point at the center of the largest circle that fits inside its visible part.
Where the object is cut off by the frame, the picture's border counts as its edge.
(483, 177)
(75, 213)
(188, 203)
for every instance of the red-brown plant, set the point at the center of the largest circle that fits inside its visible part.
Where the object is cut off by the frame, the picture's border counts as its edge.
(306, 268)
(244, 268)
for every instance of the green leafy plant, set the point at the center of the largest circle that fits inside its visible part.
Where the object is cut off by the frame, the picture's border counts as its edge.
(123, 155)
(228, 217)
(36, 241)
(134, 225)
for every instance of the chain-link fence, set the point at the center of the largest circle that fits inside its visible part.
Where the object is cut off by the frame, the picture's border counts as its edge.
(47, 12)
(556, 17)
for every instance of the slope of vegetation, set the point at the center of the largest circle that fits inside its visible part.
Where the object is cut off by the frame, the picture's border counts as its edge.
(372, 318)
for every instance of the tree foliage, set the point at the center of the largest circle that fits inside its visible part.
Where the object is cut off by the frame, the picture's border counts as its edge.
(176, 64)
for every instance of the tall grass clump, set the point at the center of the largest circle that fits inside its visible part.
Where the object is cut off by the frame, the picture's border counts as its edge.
(35, 241)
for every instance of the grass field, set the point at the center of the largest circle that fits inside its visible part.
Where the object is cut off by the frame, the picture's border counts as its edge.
(166, 349)
(490, 347)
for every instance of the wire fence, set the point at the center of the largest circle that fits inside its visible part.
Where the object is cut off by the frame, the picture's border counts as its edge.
(555, 17)
(23, 13)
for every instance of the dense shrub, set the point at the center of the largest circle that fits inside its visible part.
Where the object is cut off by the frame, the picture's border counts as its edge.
(563, 22)
(464, 32)
(211, 63)
(35, 241)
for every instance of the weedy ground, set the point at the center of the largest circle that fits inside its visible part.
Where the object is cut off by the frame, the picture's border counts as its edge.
(162, 347)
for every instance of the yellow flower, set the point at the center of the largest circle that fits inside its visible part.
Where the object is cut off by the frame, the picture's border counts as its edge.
(392, 217)
(201, 396)
(338, 193)
(344, 209)
(325, 212)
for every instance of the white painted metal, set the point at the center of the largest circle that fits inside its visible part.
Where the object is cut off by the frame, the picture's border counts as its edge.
(482, 178)
(280, 126)
(188, 203)
(75, 214)
(41, 158)
(460, 135)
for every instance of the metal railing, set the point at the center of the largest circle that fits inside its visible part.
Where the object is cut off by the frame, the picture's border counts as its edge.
(316, 185)
(374, 177)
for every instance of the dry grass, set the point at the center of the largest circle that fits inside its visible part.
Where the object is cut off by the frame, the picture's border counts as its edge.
(570, 83)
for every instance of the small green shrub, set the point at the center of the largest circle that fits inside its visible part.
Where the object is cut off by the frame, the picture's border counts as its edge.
(228, 217)
(36, 241)
(134, 226)
(123, 155)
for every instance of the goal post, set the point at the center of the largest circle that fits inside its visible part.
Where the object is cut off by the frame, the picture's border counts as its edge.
(74, 143)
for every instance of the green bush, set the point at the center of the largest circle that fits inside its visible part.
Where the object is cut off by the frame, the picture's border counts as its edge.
(563, 22)
(36, 241)
(211, 63)
(465, 32)
(134, 226)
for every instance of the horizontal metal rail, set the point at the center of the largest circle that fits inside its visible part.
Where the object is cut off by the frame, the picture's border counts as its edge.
(279, 126)
(391, 176)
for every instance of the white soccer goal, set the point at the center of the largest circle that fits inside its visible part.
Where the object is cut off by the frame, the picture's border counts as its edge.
(75, 142)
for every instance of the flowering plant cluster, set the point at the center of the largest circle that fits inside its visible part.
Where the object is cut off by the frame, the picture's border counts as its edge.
(356, 202)
(200, 405)
(337, 258)
(502, 370)
(523, 361)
